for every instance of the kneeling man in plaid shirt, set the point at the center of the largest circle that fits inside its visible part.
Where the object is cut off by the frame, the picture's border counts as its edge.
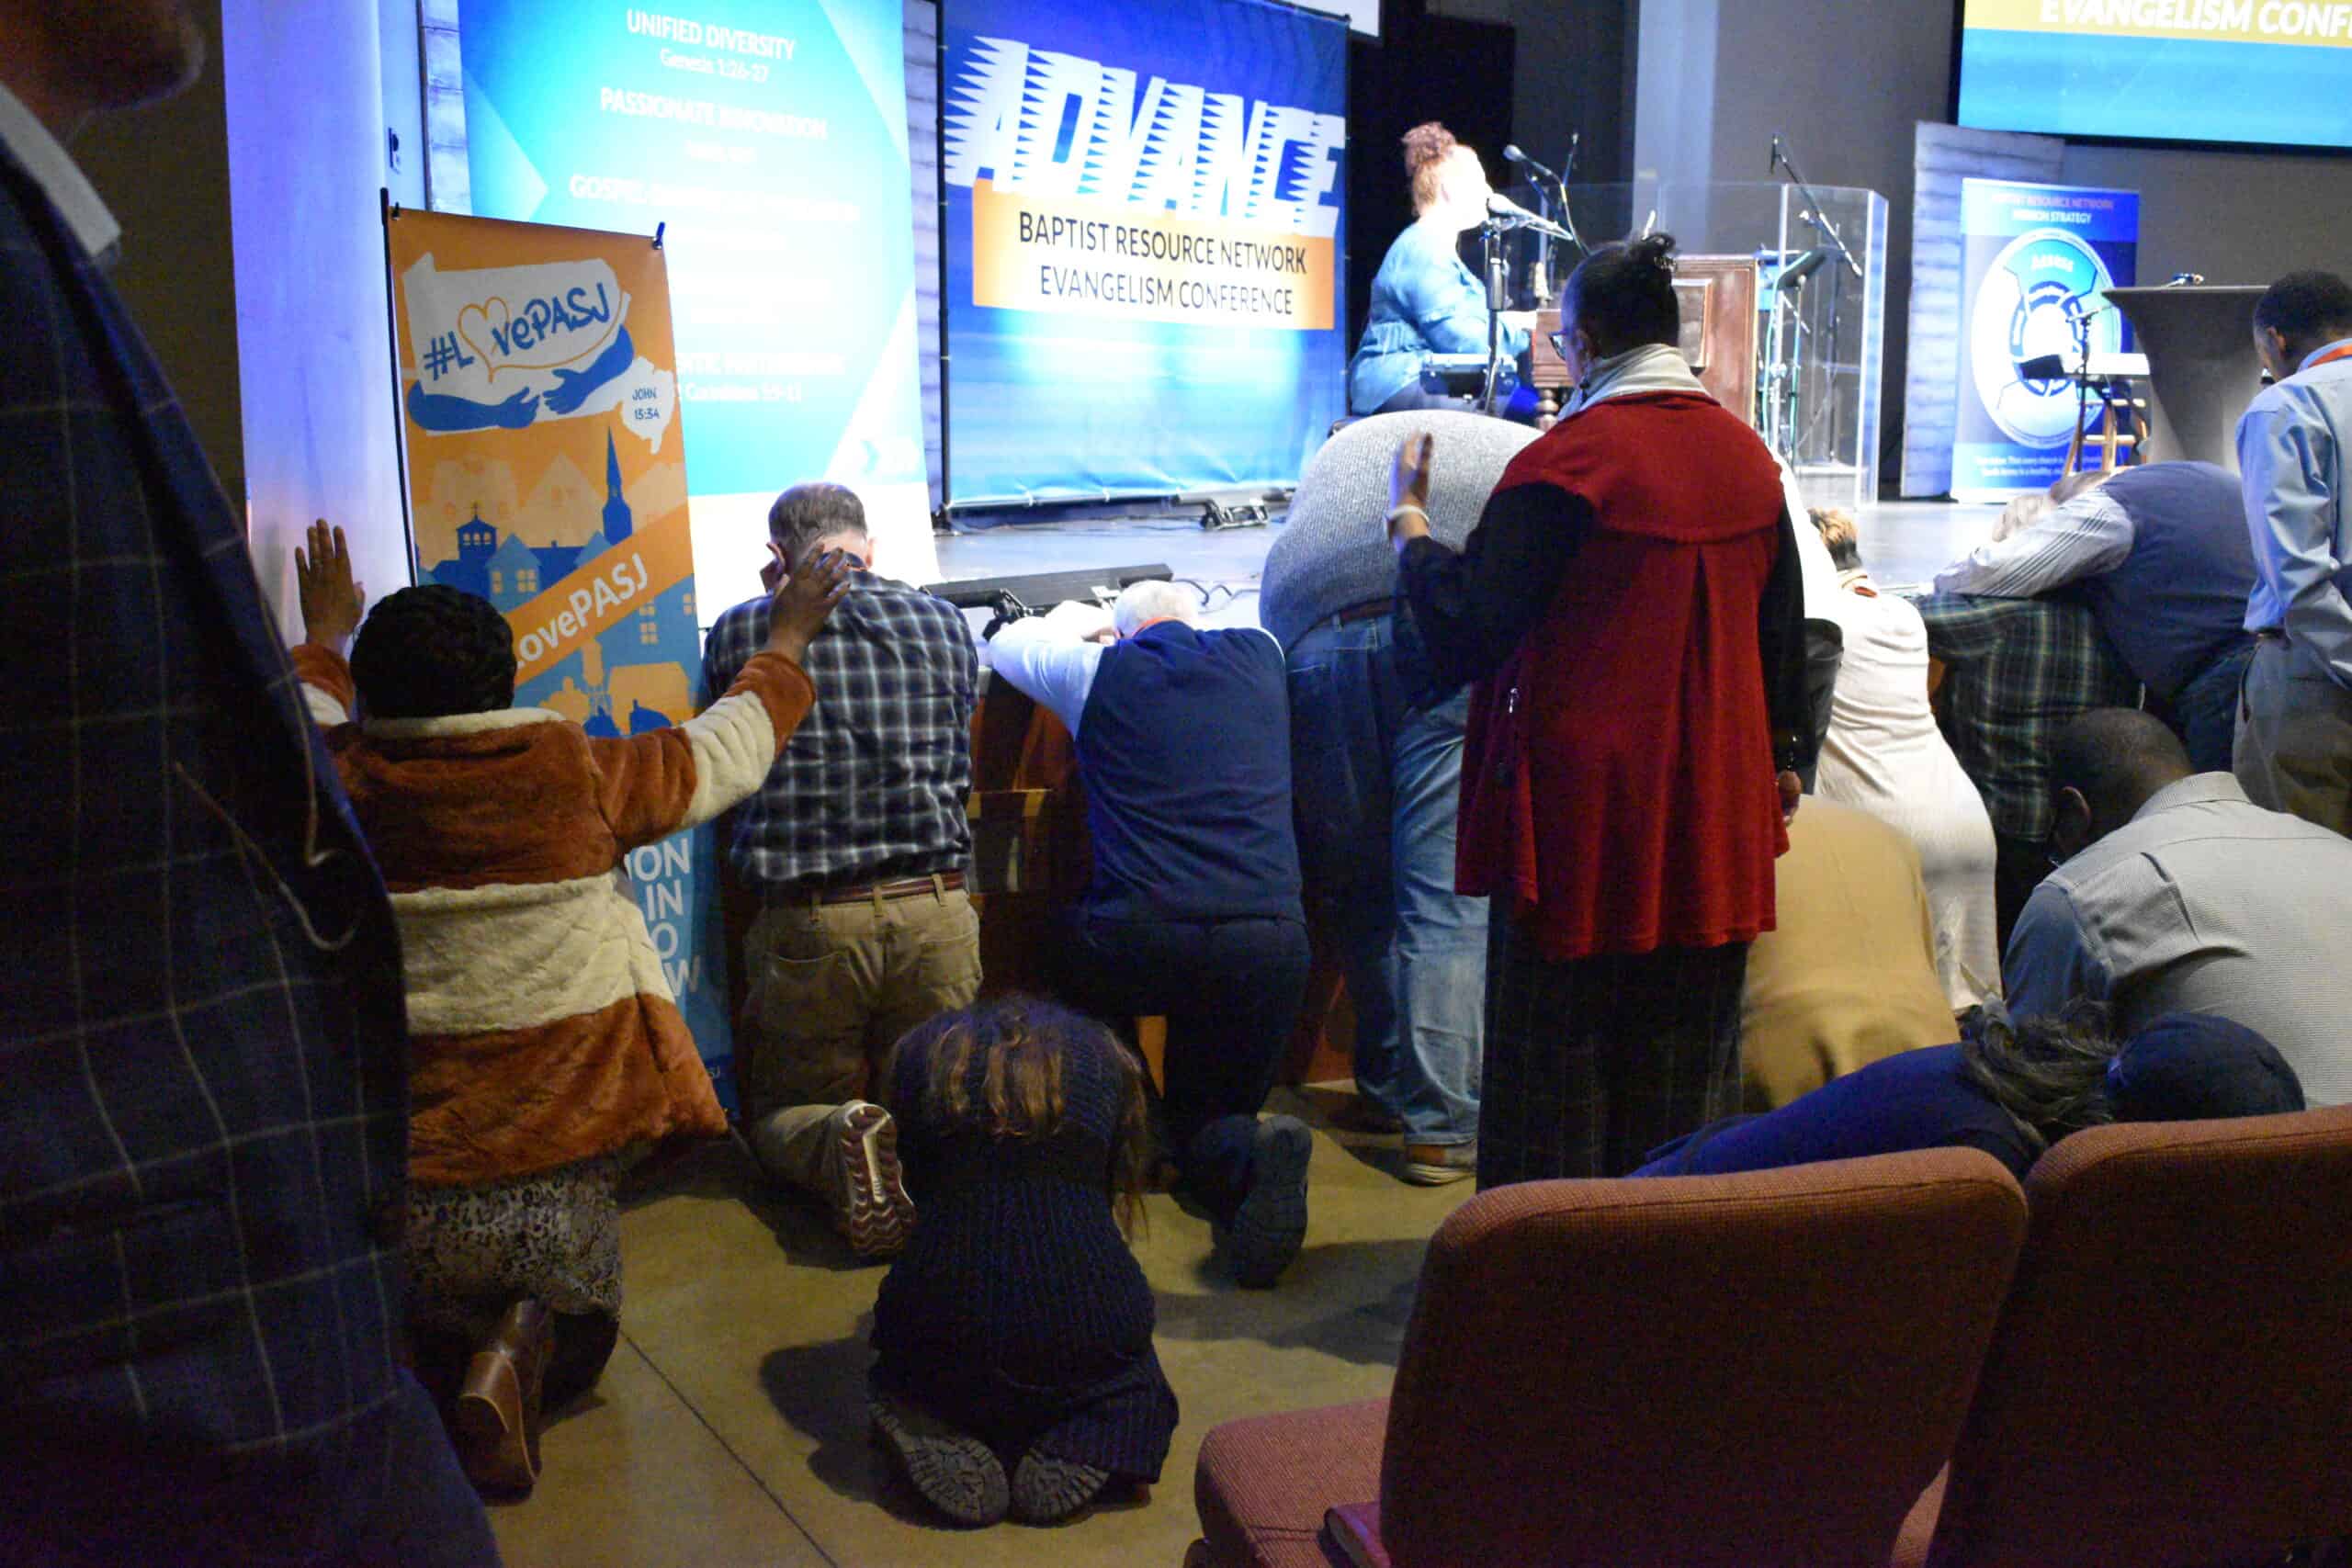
(857, 846)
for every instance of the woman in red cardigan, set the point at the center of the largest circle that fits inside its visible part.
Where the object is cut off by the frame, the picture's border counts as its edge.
(1631, 610)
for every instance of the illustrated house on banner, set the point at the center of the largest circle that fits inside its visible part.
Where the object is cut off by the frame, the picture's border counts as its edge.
(608, 685)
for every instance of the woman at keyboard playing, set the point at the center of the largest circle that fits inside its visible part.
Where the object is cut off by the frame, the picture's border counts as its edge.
(1424, 301)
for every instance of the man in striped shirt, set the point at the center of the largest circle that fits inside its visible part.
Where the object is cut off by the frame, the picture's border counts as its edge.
(2158, 554)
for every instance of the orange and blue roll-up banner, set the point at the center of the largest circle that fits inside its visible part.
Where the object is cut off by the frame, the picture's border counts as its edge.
(545, 471)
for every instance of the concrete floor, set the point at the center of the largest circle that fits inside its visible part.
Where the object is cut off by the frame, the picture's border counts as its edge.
(730, 1429)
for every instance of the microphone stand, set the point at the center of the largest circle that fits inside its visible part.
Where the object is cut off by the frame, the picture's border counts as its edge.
(1813, 215)
(2080, 321)
(1567, 216)
(1498, 268)
(1541, 289)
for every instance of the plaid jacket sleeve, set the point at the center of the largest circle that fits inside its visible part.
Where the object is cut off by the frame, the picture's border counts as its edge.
(205, 1115)
(1962, 630)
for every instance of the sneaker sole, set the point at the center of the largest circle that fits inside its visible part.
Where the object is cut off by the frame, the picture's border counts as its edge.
(1438, 1175)
(956, 1473)
(1048, 1490)
(877, 1213)
(1271, 1224)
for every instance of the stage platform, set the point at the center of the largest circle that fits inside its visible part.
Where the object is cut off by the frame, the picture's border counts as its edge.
(1903, 543)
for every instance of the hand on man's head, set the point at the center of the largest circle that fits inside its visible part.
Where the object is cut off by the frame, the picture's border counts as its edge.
(800, 602)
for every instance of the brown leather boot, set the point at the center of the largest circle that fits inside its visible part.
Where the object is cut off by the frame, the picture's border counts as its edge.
(496, 1423)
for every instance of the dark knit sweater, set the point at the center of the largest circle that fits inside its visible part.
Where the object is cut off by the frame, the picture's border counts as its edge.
(1017, 1313)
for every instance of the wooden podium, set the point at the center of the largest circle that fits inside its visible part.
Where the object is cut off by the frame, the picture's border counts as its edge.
(2201, 367)
(1031, 860)
(1720, 326)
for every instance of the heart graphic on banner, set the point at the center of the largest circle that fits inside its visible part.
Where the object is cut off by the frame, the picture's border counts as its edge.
(483, 328)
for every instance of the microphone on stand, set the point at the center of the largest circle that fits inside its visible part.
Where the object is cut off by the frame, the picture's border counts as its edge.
(1511, 154)
(1502, 212)
(1774, 166)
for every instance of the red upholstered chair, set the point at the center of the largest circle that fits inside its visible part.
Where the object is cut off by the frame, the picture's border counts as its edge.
(1755, 1369)
(2172, 1379)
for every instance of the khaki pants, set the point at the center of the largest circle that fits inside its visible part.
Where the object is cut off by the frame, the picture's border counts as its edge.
(830, 988)
(2294, 740)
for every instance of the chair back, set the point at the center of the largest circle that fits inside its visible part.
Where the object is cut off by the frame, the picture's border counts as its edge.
(1762, 1368)
(2171, 1382)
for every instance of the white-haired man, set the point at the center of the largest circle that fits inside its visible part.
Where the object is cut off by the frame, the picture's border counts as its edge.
(1194, 914)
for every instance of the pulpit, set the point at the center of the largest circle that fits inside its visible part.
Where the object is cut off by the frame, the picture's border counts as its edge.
(1719, 334)
(2201, 367)
(1031, 861)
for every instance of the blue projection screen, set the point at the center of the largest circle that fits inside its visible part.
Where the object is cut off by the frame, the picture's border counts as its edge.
(2275, 72)
(770, 136)
(1143, 245)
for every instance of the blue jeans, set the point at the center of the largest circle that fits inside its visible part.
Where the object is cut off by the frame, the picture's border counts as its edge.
(1378, 783)
(1230, 990)
(2208, 709)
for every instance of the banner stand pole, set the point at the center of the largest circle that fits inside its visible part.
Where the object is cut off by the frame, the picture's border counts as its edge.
(391, 213)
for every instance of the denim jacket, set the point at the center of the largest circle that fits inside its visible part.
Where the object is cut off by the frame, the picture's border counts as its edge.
(1424, 301)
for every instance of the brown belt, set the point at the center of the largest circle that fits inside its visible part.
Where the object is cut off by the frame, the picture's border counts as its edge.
(1362, 611)
(2271, 633)
(882, 892)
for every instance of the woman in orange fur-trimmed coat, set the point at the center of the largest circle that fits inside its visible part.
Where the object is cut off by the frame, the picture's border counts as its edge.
(546, 1044)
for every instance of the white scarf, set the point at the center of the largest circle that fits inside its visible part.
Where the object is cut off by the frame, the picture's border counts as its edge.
(1653, 368)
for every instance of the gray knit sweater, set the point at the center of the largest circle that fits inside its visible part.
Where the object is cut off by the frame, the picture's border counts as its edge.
(1334, 552)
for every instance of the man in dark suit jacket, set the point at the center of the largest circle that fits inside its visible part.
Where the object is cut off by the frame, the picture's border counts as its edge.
(203, 1097)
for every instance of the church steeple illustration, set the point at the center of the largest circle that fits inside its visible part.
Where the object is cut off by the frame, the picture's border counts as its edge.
(477, 540)
(618, 522)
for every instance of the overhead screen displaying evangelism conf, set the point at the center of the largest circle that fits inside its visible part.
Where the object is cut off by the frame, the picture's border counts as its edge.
(1142, 230)
(2263, 73)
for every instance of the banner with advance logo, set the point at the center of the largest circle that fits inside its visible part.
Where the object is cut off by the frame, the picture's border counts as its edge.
(1143, 212)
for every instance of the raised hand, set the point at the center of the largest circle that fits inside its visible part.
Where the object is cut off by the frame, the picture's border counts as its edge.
(1408, 487)
(802, 600)
(331, 602)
